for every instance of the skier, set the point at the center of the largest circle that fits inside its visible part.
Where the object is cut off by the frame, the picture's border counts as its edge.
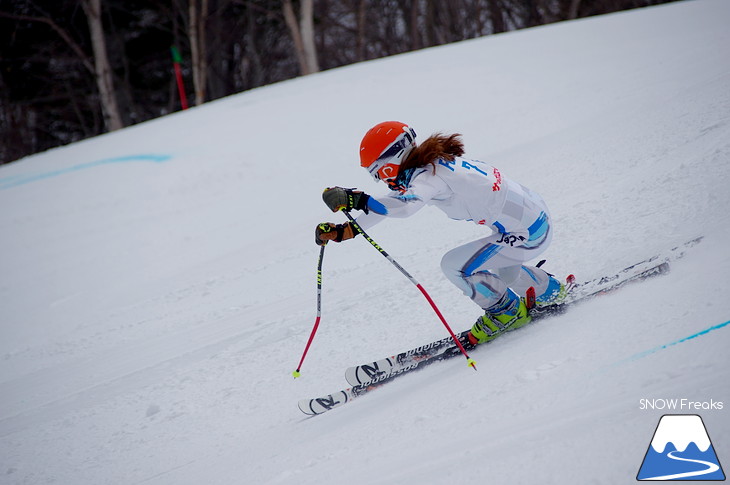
(490, 270)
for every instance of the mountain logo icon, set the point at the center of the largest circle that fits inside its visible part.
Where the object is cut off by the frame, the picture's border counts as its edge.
(680, 450)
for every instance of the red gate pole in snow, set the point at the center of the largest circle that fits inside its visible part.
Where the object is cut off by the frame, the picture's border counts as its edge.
(176, 60)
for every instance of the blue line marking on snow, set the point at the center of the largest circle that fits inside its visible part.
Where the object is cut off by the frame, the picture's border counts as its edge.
(676, 342)
(16, 180)
(654, 350)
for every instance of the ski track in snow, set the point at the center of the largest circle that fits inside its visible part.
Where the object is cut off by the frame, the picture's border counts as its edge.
(151, 313)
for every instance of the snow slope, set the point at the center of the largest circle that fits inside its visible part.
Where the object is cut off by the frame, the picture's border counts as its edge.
(157, 285)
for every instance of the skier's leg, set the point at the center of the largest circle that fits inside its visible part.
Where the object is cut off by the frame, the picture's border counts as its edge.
(493, 276)
(483, 270)
(466, 266)
(521, 277)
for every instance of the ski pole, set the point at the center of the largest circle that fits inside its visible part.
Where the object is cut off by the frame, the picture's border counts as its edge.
(387, 256)
(319, 311)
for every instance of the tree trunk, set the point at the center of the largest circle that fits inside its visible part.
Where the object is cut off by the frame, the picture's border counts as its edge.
(196, 32)
(496, 15)
(573, 9)
(102, 69)
(361, 36)
(307, 23)
(302, 33)
(413, 25)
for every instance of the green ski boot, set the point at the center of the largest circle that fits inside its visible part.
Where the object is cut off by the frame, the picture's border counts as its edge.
(510, 313)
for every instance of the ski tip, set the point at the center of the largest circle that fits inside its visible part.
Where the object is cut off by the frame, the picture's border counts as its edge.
(305, 406)
(472, 363)
(570, 279)
(313, 407)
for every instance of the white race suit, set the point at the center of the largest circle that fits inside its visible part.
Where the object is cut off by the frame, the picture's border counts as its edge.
(471, 190)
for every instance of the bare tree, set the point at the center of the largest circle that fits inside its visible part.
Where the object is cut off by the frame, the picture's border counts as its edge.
(361, 26)
(302, 33)
(102, 68)
(496, 15)
(572, 12)
(198, 17)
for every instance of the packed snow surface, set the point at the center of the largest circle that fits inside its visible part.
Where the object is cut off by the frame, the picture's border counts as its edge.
(158, 284)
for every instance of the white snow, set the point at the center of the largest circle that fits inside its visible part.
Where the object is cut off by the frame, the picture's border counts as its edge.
(157, 285)
(681, 430)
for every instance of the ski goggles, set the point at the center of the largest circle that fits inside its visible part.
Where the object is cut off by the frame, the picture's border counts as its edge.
(386, 166)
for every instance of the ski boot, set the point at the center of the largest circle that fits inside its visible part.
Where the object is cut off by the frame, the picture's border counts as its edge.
(508, 314)
(555, 294)
(552, 301)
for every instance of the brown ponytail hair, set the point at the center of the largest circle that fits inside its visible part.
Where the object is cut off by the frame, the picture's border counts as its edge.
(434, 147)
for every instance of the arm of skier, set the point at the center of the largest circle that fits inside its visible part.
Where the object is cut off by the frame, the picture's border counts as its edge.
(399, 205)
(342, 199)
(422, 190)
(389, 206)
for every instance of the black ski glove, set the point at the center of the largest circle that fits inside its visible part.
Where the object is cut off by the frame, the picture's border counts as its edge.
(338, 199)
(328, 231)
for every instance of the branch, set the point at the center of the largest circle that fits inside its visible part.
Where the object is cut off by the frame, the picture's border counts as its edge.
(71, 43)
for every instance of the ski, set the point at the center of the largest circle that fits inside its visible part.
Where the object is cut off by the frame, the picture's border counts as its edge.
(579, 292)
(386, 370)
(366, 377)
(405, 361)
(439, 350)
(361, 374)
(323, 404)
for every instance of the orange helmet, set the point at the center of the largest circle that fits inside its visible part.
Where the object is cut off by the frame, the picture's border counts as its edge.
(384, 147)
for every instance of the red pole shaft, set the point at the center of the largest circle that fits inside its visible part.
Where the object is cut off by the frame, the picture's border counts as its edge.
(443, 320)
(180, 86)
(416, 283)
(306, 349)
(319, 311)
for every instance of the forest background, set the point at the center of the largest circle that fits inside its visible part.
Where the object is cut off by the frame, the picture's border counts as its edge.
(73, 69)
